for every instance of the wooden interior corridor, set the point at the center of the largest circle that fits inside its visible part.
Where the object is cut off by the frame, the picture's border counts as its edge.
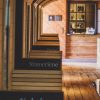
(77, 83)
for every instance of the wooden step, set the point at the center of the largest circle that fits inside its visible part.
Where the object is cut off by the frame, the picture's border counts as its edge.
(22, 88)
(49, 72)
(46, 51)
(45, 57)
(45, 54)
(37, 76)
(35, 84)
(49, 35)
(46, 80)
(41, 56)
(36, 80)
(46, 43)
(49, 38)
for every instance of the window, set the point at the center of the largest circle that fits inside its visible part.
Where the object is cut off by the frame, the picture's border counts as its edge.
(82, 18)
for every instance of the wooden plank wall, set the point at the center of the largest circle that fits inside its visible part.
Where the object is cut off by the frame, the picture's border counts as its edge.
(11, 40)
(57, 7)
(60, 27)
(2, 8)
(1, 24)
(81, 46)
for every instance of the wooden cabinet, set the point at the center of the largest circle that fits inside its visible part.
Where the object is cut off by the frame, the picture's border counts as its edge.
(77, 17)
(82, 16)
(81, 46)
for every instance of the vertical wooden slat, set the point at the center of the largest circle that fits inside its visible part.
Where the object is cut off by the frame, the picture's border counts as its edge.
(11, 40)
(1, 33)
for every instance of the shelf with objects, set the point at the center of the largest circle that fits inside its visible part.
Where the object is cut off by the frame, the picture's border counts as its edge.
(82, 18)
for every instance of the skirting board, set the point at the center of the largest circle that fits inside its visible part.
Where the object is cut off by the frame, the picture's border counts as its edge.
(85, 65)
(98, 66)
(81, 63)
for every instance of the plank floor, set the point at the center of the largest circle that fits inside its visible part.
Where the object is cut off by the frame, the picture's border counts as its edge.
(77, 83)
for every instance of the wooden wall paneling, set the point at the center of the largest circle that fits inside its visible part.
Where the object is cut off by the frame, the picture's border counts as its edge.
(24, 29)
(1, 46)
(27, 28)
(56, 8)
(1, 19)
(43, 4)
(83, 46)
(98, 4)
(0, 57)
(34, 24)
(1, 4)
(30, 28)
(33, 39)
(11, 41)
(6, 41)
(39, 21)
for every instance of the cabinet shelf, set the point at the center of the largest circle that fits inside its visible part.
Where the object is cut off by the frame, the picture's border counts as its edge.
(77, 17)
(82, 16)
(77, 20)
(77, 12)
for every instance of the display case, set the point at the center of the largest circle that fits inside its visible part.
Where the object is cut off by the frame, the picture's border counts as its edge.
(77, 17)
(81, 17)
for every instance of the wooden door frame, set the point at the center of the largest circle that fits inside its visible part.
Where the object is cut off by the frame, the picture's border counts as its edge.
(37, 10)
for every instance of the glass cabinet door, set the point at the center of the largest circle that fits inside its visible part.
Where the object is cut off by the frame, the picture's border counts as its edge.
(81, 16)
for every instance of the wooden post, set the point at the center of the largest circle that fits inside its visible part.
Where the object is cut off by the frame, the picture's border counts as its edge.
(5, 46)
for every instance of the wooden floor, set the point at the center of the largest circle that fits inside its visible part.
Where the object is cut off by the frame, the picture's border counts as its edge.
(77, 83)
